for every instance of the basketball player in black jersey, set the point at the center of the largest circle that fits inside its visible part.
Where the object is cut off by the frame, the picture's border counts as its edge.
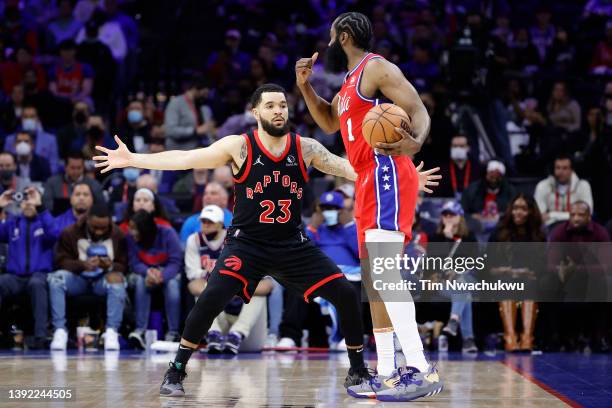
(266, 236)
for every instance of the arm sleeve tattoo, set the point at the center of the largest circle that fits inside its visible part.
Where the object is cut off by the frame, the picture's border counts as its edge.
(320, 158)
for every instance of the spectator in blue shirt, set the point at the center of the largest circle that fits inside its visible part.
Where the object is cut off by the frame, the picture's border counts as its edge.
(214, 193)
(156, 259)
(30, 237)
(81, 200)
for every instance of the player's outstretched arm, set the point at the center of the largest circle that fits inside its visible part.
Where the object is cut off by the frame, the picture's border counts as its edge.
(322, 159)
(213, 156)
(388, 78)
(323, 113)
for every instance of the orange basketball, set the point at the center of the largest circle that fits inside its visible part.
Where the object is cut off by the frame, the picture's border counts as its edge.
(380, 122)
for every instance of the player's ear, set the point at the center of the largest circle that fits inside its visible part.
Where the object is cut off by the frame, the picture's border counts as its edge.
(255, 113)
(343, 38)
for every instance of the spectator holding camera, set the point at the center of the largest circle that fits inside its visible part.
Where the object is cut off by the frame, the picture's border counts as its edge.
(30, 237)
(81, 201)
(30, 166)
(91, 257)
(59, 188)
(556, 193)
(156, 260)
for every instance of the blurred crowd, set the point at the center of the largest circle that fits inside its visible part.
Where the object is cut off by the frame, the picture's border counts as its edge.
(520, 97)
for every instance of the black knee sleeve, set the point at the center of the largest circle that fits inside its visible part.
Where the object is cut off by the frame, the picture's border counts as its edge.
(340, 293)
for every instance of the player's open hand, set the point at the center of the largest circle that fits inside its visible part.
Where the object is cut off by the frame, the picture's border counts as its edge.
(427, 178)
(303, 68)
(114, 159)
(407, 145)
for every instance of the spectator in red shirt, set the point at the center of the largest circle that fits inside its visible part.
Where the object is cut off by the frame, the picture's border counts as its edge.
(69, 78)
(13, 73)
(602, 58)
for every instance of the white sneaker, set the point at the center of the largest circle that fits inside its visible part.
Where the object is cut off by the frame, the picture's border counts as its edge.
(60, 340)
(285, 342)
(271, 341)
(111, 340)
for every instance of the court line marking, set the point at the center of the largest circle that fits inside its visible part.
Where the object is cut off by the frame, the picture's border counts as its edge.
(570, 402)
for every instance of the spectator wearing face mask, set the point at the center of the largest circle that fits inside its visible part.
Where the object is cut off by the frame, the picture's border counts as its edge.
(123, 188)
(556, 193)
(30, 166)
(137, 131)
(58, 189)
(484, 200)
(81, 201)
(460, 170)
(45, 143)
(75, 130)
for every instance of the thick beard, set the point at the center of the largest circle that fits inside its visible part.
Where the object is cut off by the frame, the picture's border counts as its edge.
(274, 130)
(335, 58)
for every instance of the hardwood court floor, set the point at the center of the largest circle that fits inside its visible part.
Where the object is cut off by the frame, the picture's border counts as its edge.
(283, 380)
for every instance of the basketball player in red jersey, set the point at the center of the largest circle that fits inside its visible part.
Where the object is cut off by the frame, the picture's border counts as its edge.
(385, 192)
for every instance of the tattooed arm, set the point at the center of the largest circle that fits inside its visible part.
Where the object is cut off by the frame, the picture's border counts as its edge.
(320, 158)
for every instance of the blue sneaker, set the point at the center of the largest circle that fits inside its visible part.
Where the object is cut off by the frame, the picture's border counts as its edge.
(412, 384)
(368, 388)
(215, 342)
(232, 343)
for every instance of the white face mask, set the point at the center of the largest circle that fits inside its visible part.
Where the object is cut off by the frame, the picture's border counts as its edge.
(23, 149)
(459, 153)
(330, 217)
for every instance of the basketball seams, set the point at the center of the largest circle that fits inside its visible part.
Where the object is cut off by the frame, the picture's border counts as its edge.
(376, 115)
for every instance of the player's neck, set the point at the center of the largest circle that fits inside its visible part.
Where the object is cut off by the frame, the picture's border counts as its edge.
(272, 143)
(354, 57)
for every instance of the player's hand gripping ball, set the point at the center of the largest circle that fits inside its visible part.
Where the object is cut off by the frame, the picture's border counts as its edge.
(380, 122)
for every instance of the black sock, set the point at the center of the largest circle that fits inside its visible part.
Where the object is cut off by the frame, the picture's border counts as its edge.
(182, 357)
(356, 358)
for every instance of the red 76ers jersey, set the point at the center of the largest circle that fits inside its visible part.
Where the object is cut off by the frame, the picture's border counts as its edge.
(387, 186)
(352, 108)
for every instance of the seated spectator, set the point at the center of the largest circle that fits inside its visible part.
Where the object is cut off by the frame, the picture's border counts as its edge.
(137, 131)
(453, 230)
(336, 234)
(30, 238)
(579, 227)
(11, 110)
(185, 124)
(109, 32)
(422, 68)
(92, 258)
(225, 177)
(30, 165)
(239, 326)
(13, 73)
(164, 179)
(96, 135)
(145, 199)
(214, 193)
(69, 78)
(149, 182)
(123, 188)
(71, 137)
(81, 201)
(459, 172)
(58, 188)
(46, 144)
(64, 26)
(156, 261)
(602, 57)
(521, 222)
(484, 200)
(563, 111)
(230, 62)
(557, 192)
(10, 181)
(193, 183)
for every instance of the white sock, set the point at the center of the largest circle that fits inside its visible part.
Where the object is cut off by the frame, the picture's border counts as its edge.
(403, 317)
(385, 351)
(401, 313)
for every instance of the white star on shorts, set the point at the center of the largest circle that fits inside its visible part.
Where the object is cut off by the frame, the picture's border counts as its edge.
(385, 168)
(386, 177)
(387, 186)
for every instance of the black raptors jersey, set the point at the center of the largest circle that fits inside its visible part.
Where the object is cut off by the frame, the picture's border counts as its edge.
(268, 190)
